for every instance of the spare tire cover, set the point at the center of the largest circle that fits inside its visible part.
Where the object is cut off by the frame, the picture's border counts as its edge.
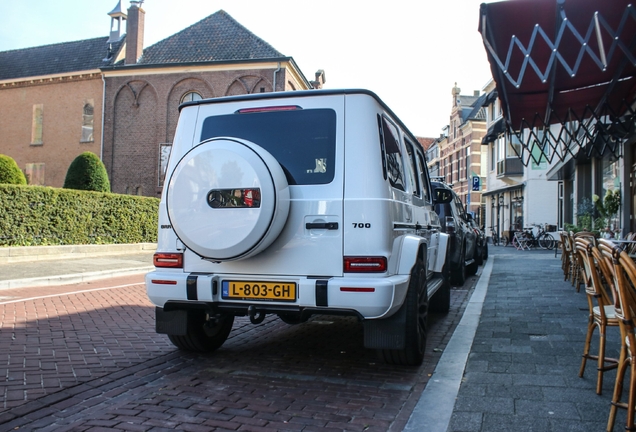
(213, 199)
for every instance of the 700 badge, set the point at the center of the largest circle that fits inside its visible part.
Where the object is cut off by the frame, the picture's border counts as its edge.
(361, 225)
(250, 290)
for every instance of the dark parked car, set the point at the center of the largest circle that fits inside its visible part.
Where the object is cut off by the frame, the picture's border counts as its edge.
(482, 241)
(463, 240)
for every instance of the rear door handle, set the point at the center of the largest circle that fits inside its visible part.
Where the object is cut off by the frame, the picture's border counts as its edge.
(322, 225)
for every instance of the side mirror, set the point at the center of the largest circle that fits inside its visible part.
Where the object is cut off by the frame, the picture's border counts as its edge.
(442, 196)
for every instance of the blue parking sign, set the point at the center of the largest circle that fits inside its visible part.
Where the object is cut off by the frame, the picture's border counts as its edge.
(476, 183)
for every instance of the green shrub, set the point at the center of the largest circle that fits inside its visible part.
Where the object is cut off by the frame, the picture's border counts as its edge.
(88, 173)
(10, 172)
(38, 215)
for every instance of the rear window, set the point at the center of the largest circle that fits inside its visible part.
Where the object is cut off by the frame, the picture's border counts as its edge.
(303, 141)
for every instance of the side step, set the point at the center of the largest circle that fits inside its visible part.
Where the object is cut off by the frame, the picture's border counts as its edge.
(433, 285)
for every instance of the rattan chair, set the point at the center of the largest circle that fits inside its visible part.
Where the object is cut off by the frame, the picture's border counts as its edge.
(598, 282)
(566, 254)
(577, 272)
(624, 275)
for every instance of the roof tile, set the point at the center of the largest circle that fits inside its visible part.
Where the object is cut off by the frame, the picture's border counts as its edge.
(58, 58)
(219, 37)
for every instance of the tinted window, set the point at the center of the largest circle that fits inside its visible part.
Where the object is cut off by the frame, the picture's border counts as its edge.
(412, 172)
(422, 171)
(302, 141)
(394, 164)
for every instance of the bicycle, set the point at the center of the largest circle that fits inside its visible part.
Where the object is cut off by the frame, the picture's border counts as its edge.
(544, 238)
(496, 240)
(525, 239)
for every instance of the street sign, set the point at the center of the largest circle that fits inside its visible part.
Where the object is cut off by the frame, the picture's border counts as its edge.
(476, 183)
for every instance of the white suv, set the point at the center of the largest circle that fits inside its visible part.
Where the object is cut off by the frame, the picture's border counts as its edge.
(294, 204)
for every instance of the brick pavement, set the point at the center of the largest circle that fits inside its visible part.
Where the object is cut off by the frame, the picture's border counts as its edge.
(92, 361)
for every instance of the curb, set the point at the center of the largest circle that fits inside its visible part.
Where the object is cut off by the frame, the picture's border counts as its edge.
(72, 278)
(41, 253)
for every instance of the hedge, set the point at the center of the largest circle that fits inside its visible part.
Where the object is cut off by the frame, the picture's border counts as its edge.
(37, 215)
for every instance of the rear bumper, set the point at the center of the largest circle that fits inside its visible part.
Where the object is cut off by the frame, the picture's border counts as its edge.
(176, 290)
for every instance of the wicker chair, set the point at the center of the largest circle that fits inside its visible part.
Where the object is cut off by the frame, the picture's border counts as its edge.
(598, 280)
(577, 272)
(624, 275)
(566, 254)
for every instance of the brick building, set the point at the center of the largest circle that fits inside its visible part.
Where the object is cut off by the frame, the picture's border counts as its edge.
(119, 100)
(460, 155)
(51, 106)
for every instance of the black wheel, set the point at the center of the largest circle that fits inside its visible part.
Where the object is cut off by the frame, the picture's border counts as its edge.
(416, 308)
(479, 255)
(546, 241)
(440, 303)
(504, 241)
(203, 336)
(458, 277)
(486, 252)
(291, 318)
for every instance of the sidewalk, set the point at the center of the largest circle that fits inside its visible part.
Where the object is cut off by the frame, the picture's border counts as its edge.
(520, 340)
(52, 265)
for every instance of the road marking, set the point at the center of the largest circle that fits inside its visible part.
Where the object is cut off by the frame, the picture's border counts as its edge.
(69, 293)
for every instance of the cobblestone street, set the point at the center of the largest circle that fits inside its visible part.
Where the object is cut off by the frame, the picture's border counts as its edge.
(91, 360)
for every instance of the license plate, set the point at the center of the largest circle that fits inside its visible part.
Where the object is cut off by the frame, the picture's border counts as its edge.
(248, 290)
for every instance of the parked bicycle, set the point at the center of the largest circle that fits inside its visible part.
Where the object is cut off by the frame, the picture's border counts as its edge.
(526, 239)
(496, 239)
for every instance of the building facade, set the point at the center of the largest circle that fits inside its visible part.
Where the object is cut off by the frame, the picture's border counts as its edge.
(517, 196)
(51, 106)
(460, 152)
(119, 100)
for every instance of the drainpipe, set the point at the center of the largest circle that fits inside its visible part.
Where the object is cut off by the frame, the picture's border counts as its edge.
(276, 72)
(101, 144)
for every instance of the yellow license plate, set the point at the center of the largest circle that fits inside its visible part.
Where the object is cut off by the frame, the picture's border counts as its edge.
(248, 290)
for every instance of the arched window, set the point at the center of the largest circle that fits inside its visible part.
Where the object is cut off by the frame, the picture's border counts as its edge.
(191, 96)
(87, 122)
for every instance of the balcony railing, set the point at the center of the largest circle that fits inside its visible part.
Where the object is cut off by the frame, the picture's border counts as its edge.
(509, 167)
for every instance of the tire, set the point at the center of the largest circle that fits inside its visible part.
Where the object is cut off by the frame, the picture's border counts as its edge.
(201, 337)
(479, 255)
(504, 241)
(440, 303)
(416, 305)
(472, 268)
(486, 252)
(458, 277)
(291, 318)
(546, 241)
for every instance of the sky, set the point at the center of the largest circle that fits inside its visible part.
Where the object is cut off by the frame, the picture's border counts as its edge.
(409, 52)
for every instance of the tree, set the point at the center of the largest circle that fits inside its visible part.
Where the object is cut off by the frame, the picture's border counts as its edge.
(87, 172)
(10, 172)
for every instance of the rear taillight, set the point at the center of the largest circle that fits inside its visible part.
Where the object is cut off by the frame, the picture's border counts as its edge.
(365, 264)
(169, 260)
(450, 225)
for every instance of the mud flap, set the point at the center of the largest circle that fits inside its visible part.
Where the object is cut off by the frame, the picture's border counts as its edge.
(172, 322)
(387, 333)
